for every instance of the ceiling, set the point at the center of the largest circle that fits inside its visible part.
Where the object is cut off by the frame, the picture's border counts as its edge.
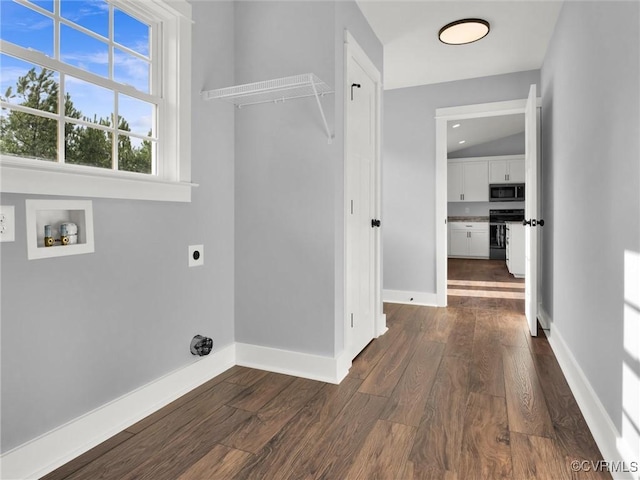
(476, 131)
(413, 55)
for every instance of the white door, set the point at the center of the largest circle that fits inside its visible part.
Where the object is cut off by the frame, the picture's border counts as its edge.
(361, 145)
(531, 211)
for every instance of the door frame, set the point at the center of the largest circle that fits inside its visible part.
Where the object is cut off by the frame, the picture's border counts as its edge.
(533, 212)
(443, 116)
(351, 47)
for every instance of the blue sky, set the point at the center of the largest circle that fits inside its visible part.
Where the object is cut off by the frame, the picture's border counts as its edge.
(28, 28)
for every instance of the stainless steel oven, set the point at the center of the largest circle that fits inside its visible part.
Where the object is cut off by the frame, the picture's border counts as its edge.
(498, 230)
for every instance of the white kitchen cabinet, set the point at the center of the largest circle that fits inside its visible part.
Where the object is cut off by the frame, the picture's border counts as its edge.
(507, 170)
(515, 249)
(479, 244)
(469, 239)
(468, 181)
(454, 182)
(459, 243)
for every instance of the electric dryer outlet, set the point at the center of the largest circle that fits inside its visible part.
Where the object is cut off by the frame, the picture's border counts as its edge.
(196, 255)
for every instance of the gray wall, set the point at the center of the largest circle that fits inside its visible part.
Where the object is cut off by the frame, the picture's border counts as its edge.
(269, 215)
(591, 125)
(457, 209)
(511, 145)
(408, 187)
(289, 180)
(284, 182)
(82, 330)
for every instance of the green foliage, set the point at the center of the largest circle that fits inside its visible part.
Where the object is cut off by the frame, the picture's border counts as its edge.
(32, 136)
(29, 135)
(130, 158)
(89, 146)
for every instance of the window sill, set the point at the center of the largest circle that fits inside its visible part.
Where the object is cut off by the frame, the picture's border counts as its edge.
(37, 177)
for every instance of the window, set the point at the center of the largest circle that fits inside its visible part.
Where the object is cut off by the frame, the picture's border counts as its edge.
(89, 94)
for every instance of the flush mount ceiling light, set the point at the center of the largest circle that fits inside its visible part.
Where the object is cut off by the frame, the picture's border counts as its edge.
(464, 31)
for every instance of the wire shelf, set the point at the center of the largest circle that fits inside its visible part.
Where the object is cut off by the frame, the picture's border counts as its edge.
(277, 90)
(274, 91)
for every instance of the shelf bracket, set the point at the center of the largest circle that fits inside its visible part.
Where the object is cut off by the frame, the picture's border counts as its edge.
(324, 119)
(275, 91)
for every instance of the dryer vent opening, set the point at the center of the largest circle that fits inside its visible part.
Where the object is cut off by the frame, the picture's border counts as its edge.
(201, 345)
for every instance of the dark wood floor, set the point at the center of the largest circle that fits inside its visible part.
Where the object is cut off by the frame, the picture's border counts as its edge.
(447, 393)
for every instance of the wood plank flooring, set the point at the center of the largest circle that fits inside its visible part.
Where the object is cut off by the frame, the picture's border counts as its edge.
(447, 394)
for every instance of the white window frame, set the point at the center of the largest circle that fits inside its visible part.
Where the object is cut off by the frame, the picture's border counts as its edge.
(172, 181)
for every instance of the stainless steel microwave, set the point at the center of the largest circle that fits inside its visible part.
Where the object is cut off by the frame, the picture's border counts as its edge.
(506, 192)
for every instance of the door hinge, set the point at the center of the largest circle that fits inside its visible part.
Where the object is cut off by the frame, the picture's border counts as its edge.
(351, 207)
(352, 320)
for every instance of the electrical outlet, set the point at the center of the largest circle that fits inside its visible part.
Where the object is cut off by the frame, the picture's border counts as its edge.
(196, 255)
(7, 223)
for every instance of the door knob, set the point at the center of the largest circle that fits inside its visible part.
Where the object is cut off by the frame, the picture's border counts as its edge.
(533, 222)
(375, 222)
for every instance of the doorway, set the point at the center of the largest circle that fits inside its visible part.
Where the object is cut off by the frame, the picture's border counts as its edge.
(446, 118)
(480, 272)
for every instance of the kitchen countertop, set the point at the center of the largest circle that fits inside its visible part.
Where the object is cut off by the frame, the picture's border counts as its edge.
(468, 219)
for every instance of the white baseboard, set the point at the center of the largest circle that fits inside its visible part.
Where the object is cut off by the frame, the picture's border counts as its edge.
(313, 367)
(343, 364)
(543, 317)
(410, 298)
(602, 428)
(61, 445)
(381, 325)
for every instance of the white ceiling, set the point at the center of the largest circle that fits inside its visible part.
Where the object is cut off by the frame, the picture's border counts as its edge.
(476, 131)
(413, 55)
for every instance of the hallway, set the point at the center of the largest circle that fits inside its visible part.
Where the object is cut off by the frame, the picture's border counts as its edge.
(483, 284)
